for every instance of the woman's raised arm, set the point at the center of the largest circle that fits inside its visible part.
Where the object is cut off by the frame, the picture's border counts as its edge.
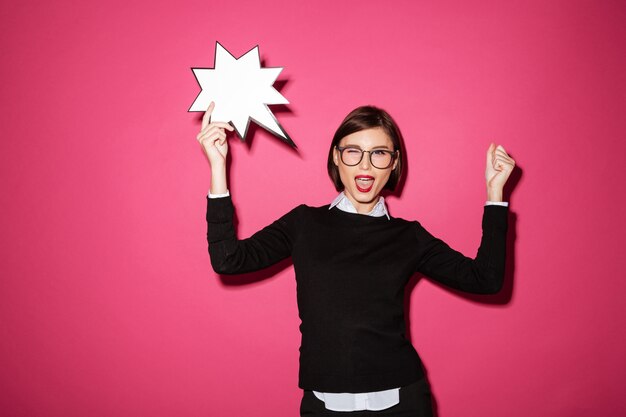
(485, 273)
(230, 255)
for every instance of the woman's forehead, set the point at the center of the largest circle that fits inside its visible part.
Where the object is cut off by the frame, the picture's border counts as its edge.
(368, 138)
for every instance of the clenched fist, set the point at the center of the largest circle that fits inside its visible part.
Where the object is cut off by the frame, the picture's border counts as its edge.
(499, 168)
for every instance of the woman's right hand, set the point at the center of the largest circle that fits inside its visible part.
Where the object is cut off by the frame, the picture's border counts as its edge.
(212, 137)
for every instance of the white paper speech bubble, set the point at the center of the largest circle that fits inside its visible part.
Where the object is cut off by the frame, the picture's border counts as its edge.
(241, 90)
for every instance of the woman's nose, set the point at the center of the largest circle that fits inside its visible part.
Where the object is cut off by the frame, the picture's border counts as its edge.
(365, 161)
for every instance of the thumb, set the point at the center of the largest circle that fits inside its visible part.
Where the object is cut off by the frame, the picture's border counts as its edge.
(490, 151)
(207, 115)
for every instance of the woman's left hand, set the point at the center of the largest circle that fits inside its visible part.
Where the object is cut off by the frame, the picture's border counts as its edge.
(499, 168)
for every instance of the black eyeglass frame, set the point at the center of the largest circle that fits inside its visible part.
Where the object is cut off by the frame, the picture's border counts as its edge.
(394, 155)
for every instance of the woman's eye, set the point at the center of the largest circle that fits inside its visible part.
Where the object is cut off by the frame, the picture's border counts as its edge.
(352, 151)
(378, 153)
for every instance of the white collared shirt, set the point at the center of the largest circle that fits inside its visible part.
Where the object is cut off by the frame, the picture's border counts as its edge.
(343, 203)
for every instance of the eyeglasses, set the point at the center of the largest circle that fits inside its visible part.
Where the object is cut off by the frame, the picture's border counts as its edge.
(379, 158)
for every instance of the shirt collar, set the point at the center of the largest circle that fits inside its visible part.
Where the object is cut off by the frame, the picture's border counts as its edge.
(343, 203)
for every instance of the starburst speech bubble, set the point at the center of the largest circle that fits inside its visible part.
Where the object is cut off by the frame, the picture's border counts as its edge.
(241, 90)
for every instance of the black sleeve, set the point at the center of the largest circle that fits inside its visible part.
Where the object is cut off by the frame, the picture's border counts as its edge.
(481, 275)
(230, 255)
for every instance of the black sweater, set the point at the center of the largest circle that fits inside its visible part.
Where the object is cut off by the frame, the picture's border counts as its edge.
(351, 271)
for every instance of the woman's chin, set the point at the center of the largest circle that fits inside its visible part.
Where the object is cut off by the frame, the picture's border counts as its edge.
(364, 197)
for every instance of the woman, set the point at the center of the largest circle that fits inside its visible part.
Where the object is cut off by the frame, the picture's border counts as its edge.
(352, 262)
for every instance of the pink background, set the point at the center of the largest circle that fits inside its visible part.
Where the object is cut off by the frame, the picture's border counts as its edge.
(108, 304)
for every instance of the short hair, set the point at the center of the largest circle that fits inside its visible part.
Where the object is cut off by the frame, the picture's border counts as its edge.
(362, 118)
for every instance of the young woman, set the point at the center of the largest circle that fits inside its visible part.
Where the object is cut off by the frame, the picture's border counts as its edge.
(352, 261)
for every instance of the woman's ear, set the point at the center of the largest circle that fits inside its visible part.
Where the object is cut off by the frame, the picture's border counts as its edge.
(336, 156)
(395, 162)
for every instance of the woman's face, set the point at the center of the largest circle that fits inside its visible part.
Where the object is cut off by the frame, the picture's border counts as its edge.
(364, 182)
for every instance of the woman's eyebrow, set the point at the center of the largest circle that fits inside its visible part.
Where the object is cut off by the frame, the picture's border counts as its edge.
(375, 147)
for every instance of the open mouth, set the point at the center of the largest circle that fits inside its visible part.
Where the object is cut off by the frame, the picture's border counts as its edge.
(364, 183)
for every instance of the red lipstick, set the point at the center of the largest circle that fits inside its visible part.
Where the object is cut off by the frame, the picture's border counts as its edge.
(365, 177)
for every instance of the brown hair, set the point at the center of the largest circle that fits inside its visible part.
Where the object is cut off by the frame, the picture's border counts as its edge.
(362, 118)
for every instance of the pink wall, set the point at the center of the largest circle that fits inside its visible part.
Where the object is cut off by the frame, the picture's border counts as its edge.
(108, 304)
